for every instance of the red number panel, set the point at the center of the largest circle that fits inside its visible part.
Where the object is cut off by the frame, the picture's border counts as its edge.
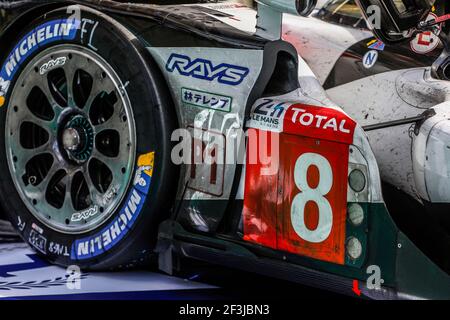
(312, 208)
(302, 207)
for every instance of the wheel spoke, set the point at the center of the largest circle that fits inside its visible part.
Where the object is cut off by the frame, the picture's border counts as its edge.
(41, 188)
(68, 205)
(57, 109)
(70, 82)
(113, 123)
(111, 163)
(96, 196)
(48, 126)
(98, 87)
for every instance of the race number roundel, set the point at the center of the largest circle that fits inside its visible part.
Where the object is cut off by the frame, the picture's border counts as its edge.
(315, 195)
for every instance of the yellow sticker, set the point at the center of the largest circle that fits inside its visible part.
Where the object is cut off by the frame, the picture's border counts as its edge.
(371, 42)
(147, 161)
(2, 101)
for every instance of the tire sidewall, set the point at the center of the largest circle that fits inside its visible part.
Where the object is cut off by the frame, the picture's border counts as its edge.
(147, 93)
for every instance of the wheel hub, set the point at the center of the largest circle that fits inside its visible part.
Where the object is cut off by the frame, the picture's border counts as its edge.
(71, 139)
(78, 139)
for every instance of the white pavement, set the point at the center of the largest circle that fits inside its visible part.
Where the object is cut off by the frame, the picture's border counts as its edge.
(24, 274)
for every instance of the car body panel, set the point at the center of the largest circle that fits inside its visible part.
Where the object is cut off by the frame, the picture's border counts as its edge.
(398, 85)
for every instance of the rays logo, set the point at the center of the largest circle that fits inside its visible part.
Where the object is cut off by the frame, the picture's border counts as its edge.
(204, 69)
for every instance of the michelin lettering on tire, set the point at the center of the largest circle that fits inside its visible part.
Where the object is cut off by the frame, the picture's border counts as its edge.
(111, 234)
(55, 30)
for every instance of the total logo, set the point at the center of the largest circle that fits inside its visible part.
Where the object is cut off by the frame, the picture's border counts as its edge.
(319, 122)
(301, 119)
(204, 69)
(305, 118)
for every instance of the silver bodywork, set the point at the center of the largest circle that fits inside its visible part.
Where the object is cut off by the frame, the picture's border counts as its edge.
(212, 121)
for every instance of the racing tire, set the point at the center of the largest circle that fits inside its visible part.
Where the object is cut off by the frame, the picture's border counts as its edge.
(85, 149)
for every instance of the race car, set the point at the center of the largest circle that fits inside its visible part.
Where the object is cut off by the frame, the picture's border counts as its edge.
(388, 89)
(134, 131)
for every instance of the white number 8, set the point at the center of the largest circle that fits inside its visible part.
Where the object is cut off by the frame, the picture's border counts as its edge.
(316, 195)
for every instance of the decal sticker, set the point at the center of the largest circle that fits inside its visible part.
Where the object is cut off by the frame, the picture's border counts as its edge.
(206, 100)
(319, 122)
(144, 172)
(63, 29)
(306, 120)
(52, 64)
(376, 44)
(4, 87)
(111, 234)
(84, 215)
(268, 114)
(204, 69)
(301, 209)
(427, 41)
(36, 239)
(370, 58)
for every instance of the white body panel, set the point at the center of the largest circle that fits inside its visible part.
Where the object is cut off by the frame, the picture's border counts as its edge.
(379, 98)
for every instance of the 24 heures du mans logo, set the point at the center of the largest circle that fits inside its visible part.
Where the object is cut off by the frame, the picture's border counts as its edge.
(204, 69)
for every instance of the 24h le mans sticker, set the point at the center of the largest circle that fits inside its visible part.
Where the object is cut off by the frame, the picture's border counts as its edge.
(62, 29)
(111, 234)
